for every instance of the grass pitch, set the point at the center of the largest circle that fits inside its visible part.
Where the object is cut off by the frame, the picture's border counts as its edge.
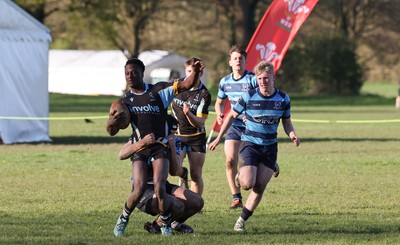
(341, 186)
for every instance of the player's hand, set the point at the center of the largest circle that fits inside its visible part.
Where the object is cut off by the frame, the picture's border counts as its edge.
(244, 119)
(148, 139)
(112, 123)
(213, 144)
(185, 108)
(114, 116)
(198, 66)
(171, 139)
(295, 139)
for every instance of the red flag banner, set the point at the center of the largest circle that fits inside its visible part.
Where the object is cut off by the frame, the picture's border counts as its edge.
(276, 31)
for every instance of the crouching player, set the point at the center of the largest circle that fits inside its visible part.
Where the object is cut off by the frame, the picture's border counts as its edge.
(184, 203)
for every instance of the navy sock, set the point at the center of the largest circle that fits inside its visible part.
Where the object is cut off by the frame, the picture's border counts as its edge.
(237, 196)
(246, 213)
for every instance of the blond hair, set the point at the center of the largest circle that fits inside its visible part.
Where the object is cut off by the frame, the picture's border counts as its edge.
(264, 66)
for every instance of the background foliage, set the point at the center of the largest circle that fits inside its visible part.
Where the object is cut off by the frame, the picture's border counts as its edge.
(208, 28)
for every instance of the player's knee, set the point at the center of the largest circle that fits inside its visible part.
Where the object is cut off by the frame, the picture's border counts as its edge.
(246, 187)
(196, 176)
(231, 163)
(139, 187)
(198, 203)
(246, 184)
(159, 189)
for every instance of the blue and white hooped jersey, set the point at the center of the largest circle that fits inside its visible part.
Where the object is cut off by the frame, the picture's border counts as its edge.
(233, 89)
(263, 115)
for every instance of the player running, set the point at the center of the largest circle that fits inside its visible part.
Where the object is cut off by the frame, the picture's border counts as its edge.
(264, 107)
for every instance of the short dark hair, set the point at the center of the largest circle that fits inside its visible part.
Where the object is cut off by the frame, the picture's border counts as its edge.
(135, 61)
(237, 49)
(191, 61)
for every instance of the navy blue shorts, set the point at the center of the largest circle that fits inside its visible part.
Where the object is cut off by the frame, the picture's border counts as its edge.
(251, 154)
(234, 133)
(151, 153)
(193, 148)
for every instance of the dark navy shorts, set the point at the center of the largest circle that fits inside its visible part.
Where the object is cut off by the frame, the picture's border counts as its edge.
(151, 153)
(234, 133)
(251, 154)
(193, 148)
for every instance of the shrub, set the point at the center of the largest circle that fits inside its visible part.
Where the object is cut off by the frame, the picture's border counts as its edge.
(325, 65)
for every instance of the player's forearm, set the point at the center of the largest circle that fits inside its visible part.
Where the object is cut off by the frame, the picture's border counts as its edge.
(219, 105)
(129, 149)
(226, 124)
(197, 122)
(288, 127)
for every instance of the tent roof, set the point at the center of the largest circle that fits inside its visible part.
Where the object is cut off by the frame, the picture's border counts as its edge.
(17, 25)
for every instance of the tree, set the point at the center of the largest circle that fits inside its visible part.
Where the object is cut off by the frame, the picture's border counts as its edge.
(370, 27)
(40, 9)
(122, 22)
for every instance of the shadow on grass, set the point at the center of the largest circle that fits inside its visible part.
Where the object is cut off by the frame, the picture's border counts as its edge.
(318, 223)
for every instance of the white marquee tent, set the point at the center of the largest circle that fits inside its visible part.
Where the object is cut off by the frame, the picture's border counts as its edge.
(101, 72)
(24, 100)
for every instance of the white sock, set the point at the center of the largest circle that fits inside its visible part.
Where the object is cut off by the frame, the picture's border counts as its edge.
(241, 220)
(175, 224)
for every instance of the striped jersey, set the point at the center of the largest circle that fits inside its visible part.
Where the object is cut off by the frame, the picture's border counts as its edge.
(263, 115)
(234, 88)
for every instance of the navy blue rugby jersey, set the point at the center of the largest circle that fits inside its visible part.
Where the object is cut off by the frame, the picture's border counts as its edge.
(149, 109)
(233, 89)
(263, 115)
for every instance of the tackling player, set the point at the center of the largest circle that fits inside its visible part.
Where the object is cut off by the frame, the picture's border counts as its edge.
(184, 203)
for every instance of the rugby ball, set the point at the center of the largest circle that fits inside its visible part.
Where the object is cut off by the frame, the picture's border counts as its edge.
(120, 115)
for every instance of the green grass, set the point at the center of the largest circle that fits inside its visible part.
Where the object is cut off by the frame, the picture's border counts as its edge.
(388, 90)
(341, 186)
